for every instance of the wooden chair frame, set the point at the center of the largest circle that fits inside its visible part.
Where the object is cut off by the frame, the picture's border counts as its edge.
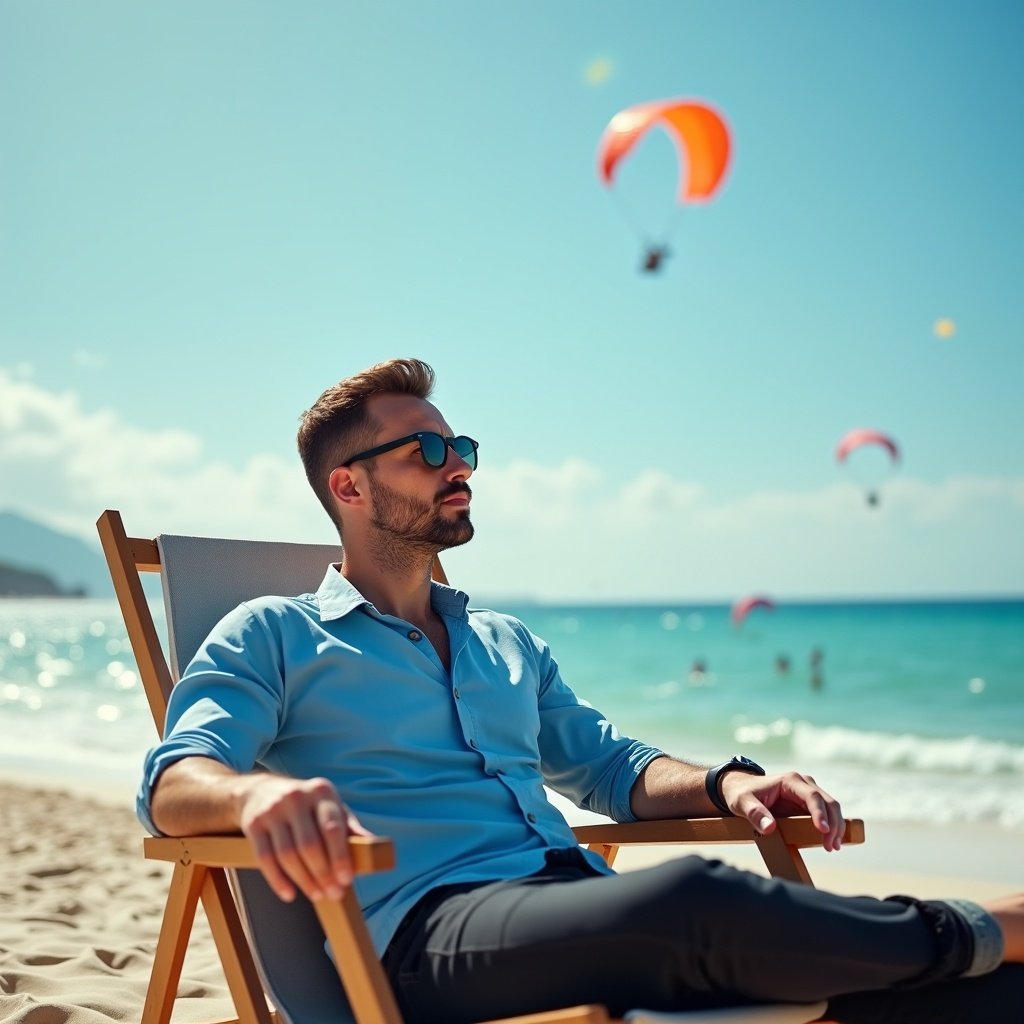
(201, 863)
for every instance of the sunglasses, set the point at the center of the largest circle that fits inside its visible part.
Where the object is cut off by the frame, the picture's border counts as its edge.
(433, 448)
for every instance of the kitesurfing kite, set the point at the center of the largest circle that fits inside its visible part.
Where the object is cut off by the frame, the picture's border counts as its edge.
(745, 605)
(865, 437)
(702, 141)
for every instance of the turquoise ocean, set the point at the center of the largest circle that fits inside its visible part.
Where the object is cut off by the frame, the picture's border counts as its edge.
(918, 715)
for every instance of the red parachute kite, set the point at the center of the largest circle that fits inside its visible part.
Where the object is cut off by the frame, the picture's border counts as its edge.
(745, 605)
(866, 437)
(701, 138)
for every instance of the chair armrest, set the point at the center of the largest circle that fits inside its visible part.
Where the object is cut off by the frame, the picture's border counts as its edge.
(780, 850)
(797, 831)
(369, 853)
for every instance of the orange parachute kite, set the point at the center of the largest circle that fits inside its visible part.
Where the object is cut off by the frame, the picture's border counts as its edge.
(865, 436)
(702, 140)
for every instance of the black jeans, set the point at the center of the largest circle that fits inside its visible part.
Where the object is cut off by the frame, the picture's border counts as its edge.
(687, 934)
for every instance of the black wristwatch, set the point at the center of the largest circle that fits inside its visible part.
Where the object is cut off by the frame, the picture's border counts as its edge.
(738, 763)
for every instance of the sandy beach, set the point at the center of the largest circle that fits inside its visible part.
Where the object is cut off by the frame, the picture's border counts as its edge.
(79, 914)
(80, 908)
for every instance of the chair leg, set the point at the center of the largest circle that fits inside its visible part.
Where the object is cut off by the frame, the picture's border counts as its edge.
(366, 985)
(782, 860)
(175, 929)
(233, 946)
(607, 851)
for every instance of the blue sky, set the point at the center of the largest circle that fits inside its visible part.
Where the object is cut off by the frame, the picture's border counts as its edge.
(210, 212)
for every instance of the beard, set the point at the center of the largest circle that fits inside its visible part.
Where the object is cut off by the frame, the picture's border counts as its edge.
(406, 524)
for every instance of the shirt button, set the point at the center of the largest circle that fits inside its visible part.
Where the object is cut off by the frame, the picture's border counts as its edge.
(455, 693)
(472, 743)
(415, 634)
(531, 817)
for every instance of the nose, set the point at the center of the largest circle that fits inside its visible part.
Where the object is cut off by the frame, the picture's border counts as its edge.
(456, 467)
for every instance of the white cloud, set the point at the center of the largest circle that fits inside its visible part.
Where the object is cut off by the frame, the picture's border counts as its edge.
(544, 496)
(567, 532)
(64, 465)
(655, 497)
(657, 537)
(945, 501)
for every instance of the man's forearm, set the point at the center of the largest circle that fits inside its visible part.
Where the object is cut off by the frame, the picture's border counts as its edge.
(668, 788)
(299, 828)
(198, 795)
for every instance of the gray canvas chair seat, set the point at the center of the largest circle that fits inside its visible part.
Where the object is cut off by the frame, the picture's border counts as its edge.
(275, 951)
(288, 945)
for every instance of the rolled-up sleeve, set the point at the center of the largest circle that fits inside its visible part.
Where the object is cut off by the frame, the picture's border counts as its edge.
(583, 755)
(227, 706)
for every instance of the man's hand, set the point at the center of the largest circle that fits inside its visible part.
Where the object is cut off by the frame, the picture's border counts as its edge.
(762, 799)
(299, 827)
(669, 788)
(300, 830)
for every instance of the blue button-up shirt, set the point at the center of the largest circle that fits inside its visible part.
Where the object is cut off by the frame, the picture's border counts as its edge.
(450, 765)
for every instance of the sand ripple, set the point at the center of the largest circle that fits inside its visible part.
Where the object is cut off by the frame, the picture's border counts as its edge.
(79, 915)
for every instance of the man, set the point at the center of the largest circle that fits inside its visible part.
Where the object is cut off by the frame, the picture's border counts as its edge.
(381, 705)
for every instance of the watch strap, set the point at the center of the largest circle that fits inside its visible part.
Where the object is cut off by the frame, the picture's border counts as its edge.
(738, 763)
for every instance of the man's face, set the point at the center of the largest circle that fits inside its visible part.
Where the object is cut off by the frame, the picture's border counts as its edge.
(410, 501)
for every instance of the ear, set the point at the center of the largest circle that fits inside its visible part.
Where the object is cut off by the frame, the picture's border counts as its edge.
(344, 487)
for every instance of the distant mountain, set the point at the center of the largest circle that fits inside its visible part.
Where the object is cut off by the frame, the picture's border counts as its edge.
(16, 582)
(72, 564)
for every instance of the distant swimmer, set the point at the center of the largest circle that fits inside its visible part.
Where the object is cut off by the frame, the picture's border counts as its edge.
(698, 670)
(782, 664)
(817, 675)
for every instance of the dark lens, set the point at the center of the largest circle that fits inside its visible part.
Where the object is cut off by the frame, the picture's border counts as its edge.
(465, 448)
(434, 450)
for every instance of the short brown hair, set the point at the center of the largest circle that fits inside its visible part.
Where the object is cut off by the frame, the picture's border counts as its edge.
(338, 425)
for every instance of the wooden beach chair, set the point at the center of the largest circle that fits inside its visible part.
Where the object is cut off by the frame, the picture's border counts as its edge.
(274, 951)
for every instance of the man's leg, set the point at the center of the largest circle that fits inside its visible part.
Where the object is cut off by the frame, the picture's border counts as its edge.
(687, 933)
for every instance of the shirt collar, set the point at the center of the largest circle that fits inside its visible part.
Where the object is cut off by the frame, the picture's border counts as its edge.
(337, 597)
